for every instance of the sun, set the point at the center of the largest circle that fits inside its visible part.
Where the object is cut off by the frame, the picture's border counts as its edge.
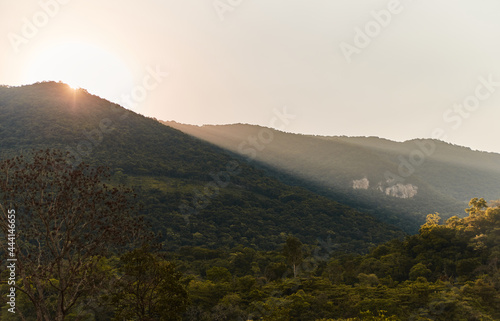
(73, 87)
(81, 65)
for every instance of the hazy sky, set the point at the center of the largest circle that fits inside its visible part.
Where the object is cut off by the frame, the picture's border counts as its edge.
(394, 69)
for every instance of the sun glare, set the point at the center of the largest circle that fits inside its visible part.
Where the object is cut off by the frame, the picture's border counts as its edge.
(81, 66)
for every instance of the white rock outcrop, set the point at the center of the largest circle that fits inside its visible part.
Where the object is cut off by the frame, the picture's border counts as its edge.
(363, 183)
(402, 191)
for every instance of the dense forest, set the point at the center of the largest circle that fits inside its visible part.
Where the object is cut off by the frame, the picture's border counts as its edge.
(398, 182)
(448, 271)
(193, 193)
(86, 254)
(119, 217)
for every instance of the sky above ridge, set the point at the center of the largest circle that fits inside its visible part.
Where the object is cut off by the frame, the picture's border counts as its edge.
(394, 69)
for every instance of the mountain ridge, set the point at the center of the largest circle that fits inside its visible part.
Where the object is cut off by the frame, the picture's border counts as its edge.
(431, 174)
(168, 169)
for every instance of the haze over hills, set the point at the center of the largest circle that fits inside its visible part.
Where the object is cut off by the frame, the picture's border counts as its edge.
(192, 192)
(397, 182)
(338, 209)
(250, 245)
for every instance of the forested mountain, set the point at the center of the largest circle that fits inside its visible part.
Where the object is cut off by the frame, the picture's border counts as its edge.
(399, 183)
(447, 271)
(238, 242)
(192, 192)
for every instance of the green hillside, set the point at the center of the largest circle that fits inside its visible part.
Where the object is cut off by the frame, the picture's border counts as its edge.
(400, 183)
(238, 243)
(447, 271)
(192, 192)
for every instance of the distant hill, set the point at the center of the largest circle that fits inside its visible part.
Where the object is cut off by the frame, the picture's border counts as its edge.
(194, 193)
(399, 183)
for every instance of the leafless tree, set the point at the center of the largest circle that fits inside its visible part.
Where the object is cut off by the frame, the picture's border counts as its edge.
(67, 221)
